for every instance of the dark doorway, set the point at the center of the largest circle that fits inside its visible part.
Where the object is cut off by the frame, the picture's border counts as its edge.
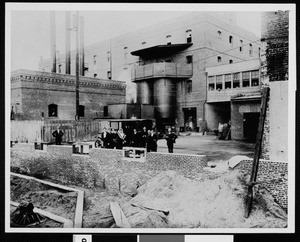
(250, 126)
(190, 119)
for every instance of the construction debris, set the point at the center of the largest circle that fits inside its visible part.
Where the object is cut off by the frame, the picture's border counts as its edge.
(235, 160)
(217, 203)
(24, 215)
(118, 215)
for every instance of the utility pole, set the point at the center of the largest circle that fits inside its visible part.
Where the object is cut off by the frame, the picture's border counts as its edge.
(77, 64)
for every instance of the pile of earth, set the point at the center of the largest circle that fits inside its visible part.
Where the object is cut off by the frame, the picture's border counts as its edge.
(178, 202)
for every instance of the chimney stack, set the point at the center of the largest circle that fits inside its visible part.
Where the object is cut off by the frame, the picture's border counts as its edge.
(53, 41)
(68, 44)
(81, 53)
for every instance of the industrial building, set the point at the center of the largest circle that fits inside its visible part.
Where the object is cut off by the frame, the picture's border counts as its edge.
(170, 66)
(37, 95)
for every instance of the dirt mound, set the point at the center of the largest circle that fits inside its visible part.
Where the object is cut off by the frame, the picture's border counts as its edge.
(217, 203)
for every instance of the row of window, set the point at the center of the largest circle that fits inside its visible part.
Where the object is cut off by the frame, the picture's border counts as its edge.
(234, 80)
(53, 111)
(219, 59)
(241, 46)
(125, 49)
(108, 74)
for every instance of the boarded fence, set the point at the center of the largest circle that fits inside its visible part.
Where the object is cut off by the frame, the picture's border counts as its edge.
(30, 131)
(26, 131)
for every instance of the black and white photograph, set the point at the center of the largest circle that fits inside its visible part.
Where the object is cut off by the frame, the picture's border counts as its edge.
(157, 118)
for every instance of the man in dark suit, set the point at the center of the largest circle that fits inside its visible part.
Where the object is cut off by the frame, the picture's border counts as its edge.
(143, 138)
(135, 139)
(170, 138)
(58, 134)
(152, 141)
(106, 138)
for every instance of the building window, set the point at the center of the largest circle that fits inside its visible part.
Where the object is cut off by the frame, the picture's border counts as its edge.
(254, 78)
(12, 113)
(250, 49)
(236, 80)
(219, 34)
(189, 36)
(230, 61)
(109, 75)
(81, 111)
(52, 110)
(241, 46)
(168, 37)
(246, 78)
(230, 40)
(219, 58)
(189, 59)
(211, 83)
(59, 68)
(189, 86)
(105, 111)
(125, 52)
(227, 81)
(219, 82)
(95, 75)
(108, 55)
(95, 59)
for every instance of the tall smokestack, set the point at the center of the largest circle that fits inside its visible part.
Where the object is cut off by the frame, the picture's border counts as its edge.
(53, 40)
(81, 30)
(68, 43)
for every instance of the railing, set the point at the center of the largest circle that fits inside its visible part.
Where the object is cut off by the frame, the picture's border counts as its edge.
(164, 69)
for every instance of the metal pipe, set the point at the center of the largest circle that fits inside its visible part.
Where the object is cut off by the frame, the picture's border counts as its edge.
(67, 44)
(77, 65)
(53, 41)
(81, 55)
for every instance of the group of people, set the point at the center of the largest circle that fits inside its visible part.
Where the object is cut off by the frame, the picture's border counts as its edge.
(111, 139)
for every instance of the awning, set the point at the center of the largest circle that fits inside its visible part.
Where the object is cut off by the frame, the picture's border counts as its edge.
(247, 98)
(161, 50)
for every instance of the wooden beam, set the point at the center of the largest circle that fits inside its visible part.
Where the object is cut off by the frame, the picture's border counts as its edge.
(151, 208)
(119, 216)
(257, 151)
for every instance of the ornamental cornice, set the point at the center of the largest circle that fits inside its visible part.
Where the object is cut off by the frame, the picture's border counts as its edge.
(68, 80)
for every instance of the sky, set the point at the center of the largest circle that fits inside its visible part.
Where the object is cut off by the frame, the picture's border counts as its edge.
(29, 29)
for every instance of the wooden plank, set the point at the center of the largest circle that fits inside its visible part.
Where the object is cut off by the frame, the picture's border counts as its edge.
(166, 212)
(119, 216)
(257, 151)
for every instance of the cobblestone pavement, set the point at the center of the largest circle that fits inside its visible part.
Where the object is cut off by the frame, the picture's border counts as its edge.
(209, 145)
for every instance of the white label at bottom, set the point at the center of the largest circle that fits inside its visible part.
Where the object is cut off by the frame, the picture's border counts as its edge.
(82, 238)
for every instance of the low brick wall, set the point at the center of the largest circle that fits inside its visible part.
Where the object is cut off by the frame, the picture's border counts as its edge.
(23, 146)
(60, 150)
(268, 170)
(127, 174)
(187, 165)
(109, 154)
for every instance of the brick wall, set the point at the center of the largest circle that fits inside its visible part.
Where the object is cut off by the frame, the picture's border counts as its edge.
(37, 90)
(275, 30)
(265, 146)
(237, 119)
(115, 171)
(267, 171)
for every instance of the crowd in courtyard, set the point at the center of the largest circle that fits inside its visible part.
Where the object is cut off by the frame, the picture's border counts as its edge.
(145, 138)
